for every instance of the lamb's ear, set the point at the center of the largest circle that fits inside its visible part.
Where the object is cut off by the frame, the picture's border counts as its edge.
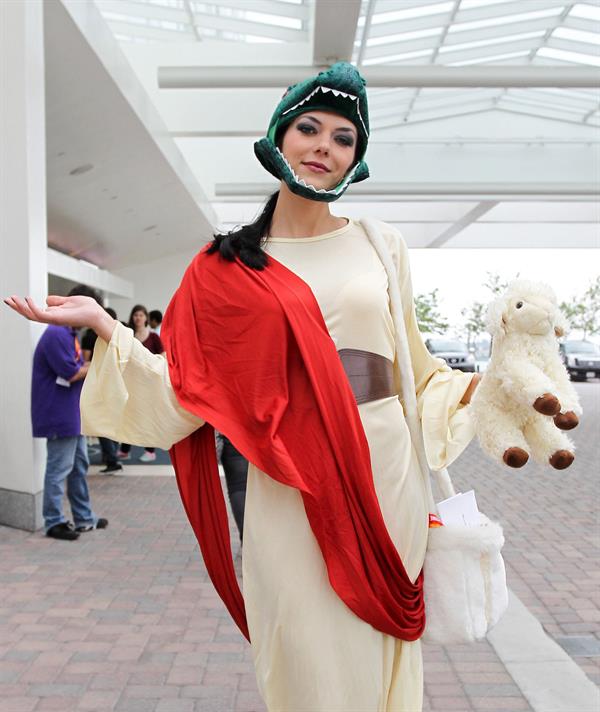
(496, 316)
(561, 326)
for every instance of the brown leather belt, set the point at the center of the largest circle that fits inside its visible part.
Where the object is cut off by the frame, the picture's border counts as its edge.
(371, 376)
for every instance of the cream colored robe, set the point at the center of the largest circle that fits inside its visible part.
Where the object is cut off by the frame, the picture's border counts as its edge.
(311, 653)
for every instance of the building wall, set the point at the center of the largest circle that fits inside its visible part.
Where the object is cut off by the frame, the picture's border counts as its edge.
(153, 282)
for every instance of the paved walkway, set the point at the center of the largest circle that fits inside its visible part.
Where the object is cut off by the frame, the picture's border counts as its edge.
(125, 620)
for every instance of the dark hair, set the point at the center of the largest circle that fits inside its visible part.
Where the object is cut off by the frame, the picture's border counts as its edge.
(246, 242)
(137, 308)
(111, 312)
(82, 290)
(155, 315)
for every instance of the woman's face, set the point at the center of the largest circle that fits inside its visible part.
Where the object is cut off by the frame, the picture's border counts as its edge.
(320, 147)
(139, 319)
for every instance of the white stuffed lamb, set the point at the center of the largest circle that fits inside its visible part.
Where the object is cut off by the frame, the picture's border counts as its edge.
(525, 400)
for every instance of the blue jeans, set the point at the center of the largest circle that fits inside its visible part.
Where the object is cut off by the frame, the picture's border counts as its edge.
(67, 461)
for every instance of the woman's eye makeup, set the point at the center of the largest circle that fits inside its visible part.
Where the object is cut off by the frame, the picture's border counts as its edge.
(306, 128)
(342, 139)
(345, 140)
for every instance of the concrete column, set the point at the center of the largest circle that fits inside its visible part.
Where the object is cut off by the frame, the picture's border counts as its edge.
(22, 253)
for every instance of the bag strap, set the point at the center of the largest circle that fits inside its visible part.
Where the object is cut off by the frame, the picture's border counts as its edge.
(407, 382)
(444, 483)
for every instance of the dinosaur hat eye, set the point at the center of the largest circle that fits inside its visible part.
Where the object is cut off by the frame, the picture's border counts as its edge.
(519, 305)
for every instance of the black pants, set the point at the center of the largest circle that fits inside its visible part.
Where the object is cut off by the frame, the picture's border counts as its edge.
(235, 466)
(126, 448)
(109, 451)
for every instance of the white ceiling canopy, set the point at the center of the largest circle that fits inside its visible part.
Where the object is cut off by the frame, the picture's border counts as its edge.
(479, 147)
(454, 33)
(190, 20)
(460, 33)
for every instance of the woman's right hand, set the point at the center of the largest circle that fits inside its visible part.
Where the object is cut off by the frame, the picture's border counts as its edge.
(75, 311)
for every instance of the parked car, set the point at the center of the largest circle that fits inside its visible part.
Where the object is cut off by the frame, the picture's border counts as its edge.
(455, 353)
(582, 359)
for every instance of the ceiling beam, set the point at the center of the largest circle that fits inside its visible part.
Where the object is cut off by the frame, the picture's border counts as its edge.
(403, 76)
(434, 54)
(190, 15)
(82, 272)
(487, 191)
(464, 222)
(333, 30)
(366, 31)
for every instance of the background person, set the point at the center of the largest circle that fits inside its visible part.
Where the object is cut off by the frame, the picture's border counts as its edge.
(155, 320)
(139, 322)
(57, 376)
(109, 447)
(235, 467)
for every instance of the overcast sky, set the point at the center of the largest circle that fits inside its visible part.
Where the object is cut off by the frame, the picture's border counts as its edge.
(459, 273)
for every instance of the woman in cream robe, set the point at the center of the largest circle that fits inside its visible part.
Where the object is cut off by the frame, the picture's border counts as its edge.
(311, 653)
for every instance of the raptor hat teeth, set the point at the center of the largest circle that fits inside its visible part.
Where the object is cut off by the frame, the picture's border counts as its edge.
(323, 191)
(324, 90)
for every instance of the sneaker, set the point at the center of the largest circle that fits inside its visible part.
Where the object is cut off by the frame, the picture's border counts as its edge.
(64, 530)
(123, 455)
(148, 457)
(100, 524)
(109, 469)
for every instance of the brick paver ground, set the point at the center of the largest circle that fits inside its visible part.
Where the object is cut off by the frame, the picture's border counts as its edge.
(125, 620)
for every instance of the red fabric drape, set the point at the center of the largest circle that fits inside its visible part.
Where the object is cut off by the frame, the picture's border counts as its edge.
(249, 352)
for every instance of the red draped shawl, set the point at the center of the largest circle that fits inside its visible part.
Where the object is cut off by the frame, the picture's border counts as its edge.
(249, 353)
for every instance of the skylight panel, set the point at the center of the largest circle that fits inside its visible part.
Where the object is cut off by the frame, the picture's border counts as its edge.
(490, 58)
(587, 12)
(562, 54)
(401, 37)
(578, 35)
(397, 57)
(411, 13)
(470, 4)
(505, 19)
(277, 20)
(527, 100)
(495, 40)
(178, 4)
(252, 39)
(145, 21)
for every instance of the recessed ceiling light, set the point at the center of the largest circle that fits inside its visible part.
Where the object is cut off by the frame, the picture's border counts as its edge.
(81, 169)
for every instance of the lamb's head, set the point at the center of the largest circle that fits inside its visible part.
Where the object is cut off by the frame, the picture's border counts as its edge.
(526, 308)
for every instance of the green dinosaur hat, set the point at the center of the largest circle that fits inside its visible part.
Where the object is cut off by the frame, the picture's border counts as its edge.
(339, 89)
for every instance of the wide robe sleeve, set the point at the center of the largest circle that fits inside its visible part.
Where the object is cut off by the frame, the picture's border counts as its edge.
(446, 423)
(127, 395)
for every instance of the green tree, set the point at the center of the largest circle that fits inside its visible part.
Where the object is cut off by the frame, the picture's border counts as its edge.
(474, 324)
(429, 318)
(583, 312)
(495, 283)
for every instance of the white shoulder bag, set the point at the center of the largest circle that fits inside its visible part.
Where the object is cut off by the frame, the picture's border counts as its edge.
(465, 579)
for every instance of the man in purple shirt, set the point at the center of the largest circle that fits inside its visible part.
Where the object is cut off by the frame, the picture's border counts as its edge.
(57, 378)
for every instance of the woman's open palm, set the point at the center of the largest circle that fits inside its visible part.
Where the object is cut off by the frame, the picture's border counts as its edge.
(75, 311)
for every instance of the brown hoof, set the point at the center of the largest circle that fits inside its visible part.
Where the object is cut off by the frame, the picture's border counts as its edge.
(562, 459)
(547, 404)
(566, 421)
(515, 457)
